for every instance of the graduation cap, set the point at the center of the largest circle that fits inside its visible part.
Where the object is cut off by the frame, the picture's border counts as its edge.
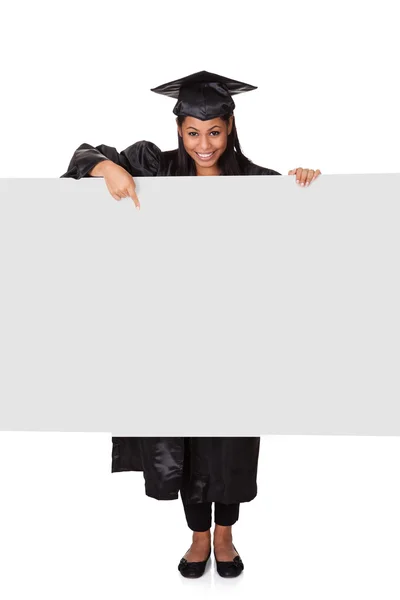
(203, 95)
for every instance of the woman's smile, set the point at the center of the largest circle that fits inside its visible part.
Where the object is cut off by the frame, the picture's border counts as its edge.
(203, 156)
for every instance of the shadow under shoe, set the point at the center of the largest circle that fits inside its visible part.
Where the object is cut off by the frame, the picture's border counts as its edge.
(231, 568)
(193, 569)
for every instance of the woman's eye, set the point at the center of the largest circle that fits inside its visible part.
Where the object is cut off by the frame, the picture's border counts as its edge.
(193, 133)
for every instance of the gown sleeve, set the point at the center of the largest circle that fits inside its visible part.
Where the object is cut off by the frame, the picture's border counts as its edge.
(141, 159)
(253, 169)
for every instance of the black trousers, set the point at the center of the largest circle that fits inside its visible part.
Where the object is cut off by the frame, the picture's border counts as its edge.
(199, 516)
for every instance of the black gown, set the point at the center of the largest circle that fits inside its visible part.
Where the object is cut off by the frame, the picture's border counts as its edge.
(203, 469)
(142, 159)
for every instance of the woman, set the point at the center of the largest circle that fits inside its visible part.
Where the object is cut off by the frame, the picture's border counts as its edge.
(204, 470)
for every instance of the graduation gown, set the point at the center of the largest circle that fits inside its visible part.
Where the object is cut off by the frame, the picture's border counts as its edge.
(142, 159)
(204, 469)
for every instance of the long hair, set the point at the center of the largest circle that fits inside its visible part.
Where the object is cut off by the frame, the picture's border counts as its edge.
(231, 162)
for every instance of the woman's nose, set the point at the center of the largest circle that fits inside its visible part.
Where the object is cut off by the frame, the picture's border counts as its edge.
(204, 145)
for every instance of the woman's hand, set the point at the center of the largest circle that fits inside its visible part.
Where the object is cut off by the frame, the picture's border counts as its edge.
(119, 182)
(304, 176)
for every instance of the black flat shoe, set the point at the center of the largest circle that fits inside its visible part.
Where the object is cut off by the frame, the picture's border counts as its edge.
(193, 569)
(231, 568)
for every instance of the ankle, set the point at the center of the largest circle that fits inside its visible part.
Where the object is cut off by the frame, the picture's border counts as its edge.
(202, 536)
(224, 537)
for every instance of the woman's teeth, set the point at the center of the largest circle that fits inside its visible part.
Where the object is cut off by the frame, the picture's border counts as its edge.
(204, 156)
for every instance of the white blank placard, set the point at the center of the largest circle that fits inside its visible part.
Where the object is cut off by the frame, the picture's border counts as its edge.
(226, 305)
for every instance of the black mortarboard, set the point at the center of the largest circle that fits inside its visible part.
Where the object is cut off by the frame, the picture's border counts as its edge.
(203, 95)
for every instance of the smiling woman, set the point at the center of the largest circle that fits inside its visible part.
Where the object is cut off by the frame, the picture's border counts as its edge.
(204, 470)
(213, 147)
(205, 144)
(205, 126)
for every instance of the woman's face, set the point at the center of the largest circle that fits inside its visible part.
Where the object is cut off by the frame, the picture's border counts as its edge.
(205, 141)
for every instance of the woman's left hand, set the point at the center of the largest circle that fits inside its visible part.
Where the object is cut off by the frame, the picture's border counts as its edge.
(304, 176)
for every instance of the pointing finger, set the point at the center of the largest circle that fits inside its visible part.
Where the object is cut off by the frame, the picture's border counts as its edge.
(133, 195)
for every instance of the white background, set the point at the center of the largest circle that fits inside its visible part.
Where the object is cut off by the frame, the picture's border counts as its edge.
(81, 71)
(324, 523)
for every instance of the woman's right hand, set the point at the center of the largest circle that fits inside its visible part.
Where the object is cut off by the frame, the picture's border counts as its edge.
(119, 182)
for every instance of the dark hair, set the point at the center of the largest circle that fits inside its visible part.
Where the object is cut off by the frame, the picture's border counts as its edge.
(231, 162)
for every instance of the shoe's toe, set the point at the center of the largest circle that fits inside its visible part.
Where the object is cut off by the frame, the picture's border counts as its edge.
(231, 568)
(191, 573)
(191, 569)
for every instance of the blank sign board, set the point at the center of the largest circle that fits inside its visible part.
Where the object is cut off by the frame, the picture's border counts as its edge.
(225, 306)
